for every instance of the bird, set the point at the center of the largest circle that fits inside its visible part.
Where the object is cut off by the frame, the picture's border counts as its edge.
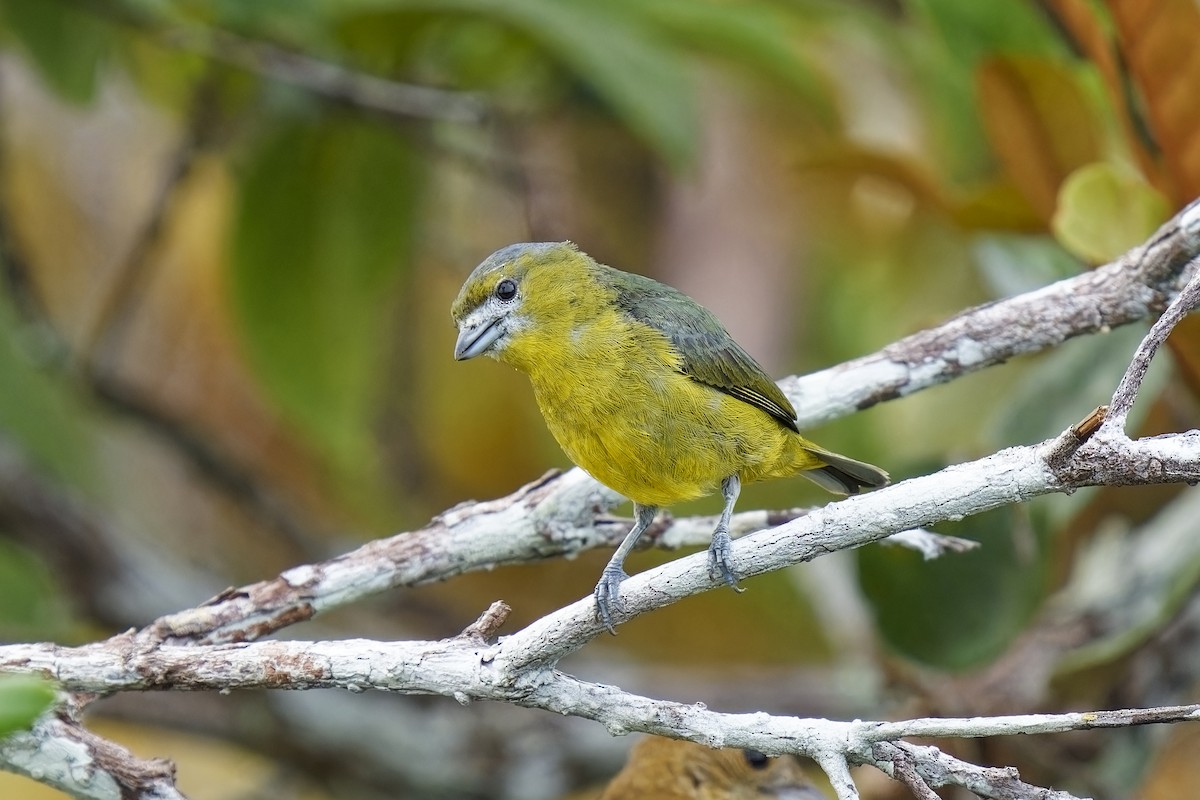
(669, 769)
(643, 388)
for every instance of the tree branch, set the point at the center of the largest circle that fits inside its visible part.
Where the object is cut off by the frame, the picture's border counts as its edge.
(1127, 390)
(62, 754)
(466, 669)
(936, 768)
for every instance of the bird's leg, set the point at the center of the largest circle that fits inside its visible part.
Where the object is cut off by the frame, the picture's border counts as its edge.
(608, 590)
(720, 546)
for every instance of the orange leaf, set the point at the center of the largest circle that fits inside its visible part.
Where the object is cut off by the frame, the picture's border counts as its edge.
(1158, 40)
(1091, 34)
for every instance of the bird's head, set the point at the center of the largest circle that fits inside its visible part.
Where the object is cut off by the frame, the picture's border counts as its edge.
(668, 769)
(520, 298)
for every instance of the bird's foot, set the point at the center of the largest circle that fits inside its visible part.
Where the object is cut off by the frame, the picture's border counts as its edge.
(719, 557)
(608, 595)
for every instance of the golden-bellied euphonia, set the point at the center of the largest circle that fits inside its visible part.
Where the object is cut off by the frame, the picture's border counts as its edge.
(642, 387)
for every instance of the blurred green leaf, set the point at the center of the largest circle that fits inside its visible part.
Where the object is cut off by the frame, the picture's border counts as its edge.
(165, 76)
(40, 414)
(750, 35)
(944, 48)
(456, 50)
(23, 698)
(626, 62)
(32, 604)
(291, 22)
(1104, 210)
(962, 610)
(973, 31)
(324, 223)
(66, 44)
(1040, 122)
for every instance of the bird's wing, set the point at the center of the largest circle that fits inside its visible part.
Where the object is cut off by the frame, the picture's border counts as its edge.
(710, 355)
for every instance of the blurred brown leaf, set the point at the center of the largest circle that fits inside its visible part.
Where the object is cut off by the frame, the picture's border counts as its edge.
(1040, 124)
(1158, 44)
(1175, 773)
(1091, 32)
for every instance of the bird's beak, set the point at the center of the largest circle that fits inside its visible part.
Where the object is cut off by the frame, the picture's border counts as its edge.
(474, 340)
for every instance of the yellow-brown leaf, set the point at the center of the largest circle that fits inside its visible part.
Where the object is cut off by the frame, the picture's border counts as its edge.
(1039, 123)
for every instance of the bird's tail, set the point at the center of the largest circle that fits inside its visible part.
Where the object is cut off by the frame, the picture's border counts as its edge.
(842, 475)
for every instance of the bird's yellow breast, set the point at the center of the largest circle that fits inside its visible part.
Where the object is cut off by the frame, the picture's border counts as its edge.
(614, 397)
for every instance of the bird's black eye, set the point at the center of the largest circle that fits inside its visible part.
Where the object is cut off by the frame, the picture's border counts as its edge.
(506, 289)
(756, 759)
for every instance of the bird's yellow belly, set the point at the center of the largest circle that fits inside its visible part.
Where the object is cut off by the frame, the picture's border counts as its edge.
(665, 438)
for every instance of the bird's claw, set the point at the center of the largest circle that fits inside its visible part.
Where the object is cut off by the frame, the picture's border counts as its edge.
(608, 595)
(719, 557)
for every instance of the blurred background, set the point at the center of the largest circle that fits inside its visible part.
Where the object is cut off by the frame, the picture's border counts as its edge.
(230, 233)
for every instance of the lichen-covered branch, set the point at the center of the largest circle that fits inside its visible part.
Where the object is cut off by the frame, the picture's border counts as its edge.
(560, 515)
(468, 667)
(61, 753)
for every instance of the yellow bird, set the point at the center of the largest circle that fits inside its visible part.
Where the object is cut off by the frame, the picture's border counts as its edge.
(668, 769)
(642, 387)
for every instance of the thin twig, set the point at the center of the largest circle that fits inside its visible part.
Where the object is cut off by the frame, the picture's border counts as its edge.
(904, 770)
(1126, 391)
(483, 630)
(940, 769)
